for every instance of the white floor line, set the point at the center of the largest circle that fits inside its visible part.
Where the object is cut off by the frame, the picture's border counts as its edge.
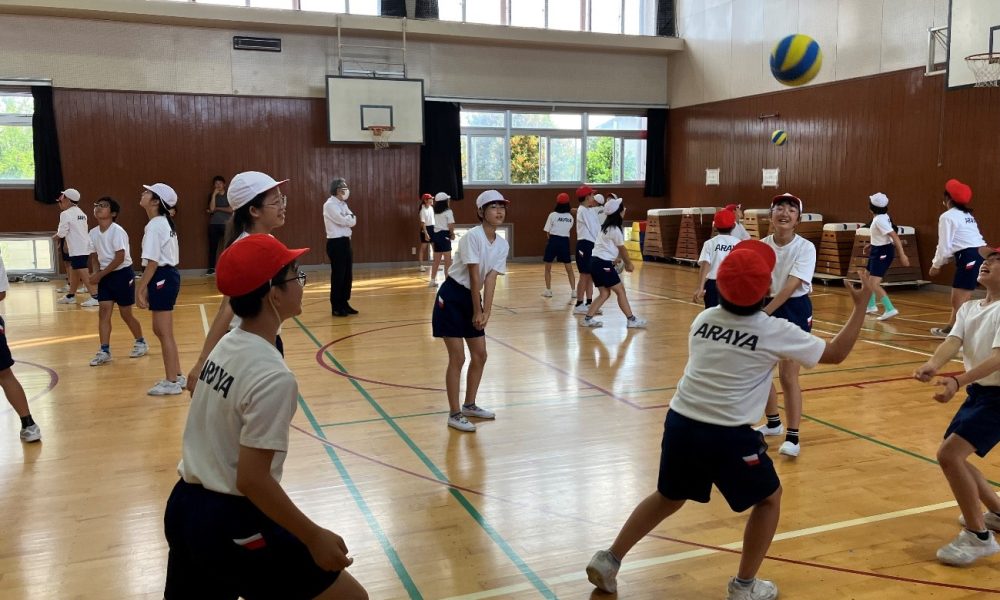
(915, 335)
(636, 565)
(204, 318)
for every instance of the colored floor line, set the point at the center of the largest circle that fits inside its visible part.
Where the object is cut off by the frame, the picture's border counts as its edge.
(53, 381)
(522, 566)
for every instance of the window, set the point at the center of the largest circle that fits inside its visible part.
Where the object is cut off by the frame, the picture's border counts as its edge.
(336, 6)
(606, 16)
(527, 13)
(17, 149)
(484, 11)
(27, 255)
(565, 14)
(286, 4)
(539, 148)
(632, 17)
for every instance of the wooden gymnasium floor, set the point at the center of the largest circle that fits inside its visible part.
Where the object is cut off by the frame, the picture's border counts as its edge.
(514, 510)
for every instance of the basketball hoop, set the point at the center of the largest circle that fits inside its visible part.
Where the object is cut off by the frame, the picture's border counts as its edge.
(986, 68)
(380, 135)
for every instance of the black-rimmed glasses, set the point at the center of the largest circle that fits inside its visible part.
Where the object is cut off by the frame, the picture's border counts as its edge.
(300, 275)
(282, 202)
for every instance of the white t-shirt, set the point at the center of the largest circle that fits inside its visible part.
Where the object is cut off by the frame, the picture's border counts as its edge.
(588, 224)
(606, 246)
(880, 229)
(978, 327)
(338, 218)
(558, 224)
(442, 220)
(713, 251)
(731, 359)
(957, 230)
(159, 243)
(740, 232)
(427, 215)
(73, 228)
(4, 285)
(797, 258)
(245, 396)
(475, 249)
(106, 244)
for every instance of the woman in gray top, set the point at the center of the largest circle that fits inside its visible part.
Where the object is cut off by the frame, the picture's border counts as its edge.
(218, 207)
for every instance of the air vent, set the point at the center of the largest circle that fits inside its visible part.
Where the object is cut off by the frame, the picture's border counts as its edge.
(241, 42)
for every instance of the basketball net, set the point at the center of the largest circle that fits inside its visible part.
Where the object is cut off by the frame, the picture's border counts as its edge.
(380, 135)
(986, 68)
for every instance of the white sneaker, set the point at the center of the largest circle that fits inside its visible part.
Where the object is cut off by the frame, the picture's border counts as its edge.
(460, 423)
(990, 518)
(581, 309)
(432, 283)
(423, 268)
(66, 300)
(547, 294)
(62, 289)
(780, 429)
(31, 433)
(165, 388)
(100, 358)
(789, 449)
(477, 412)
(941, 332)
(760, 589)
(81, 290)
(966, 548)
(636, 323)
(90, 303)
(888, 315)
(872, 310)
(182, 380)
(591, 323)
(138, 349)
(603, 571)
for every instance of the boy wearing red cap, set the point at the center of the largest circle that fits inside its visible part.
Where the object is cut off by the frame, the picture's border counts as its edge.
(712, 254)
(557, 228)
(739, 231)
(232, 530)
(958, 238)
(588, 227)
(708, 436)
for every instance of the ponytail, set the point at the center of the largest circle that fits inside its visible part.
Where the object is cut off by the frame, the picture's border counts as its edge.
(163, 211)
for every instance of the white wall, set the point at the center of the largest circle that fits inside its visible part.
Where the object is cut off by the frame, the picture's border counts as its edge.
(728, 42)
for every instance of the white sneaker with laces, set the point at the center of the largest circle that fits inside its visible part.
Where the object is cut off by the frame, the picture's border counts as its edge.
(990, 518)
(780, 429)
(62, 289)
(31, 433)
(966, 548)
(636, 323)
(477, 412)
(872, 310)
(591, 323)
(66, 300)
(888, 315)
(603, 571)
(90, 303)
(182, 380)
(138, 349)
(760, 589)
(100, 358)
(941, 332)
(789, 449)
(460, 423)
(547, 294)
(165, 388)
(581, 309)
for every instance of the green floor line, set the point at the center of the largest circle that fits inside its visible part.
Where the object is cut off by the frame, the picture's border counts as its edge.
(535, 580)
(383, 539)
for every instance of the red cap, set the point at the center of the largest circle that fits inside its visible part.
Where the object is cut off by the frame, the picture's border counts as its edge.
(562, 198)
(732, 207)
(744, 277)
(427, 197)
(584, 190)
(724, 219)
(786, 197)
(959, 192)
(252, 262)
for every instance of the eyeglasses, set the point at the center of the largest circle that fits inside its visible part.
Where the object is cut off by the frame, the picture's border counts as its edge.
(282, 202)
(300, 275)
(102, 205)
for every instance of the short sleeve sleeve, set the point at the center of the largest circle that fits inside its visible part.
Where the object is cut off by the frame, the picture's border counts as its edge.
(882, 224)
(706, 252)
(805, 262)
(120, 240)
(472, 253)
(794, 344)
(548, 223)
(267, 412)
(958, 329)
(151, 243)
(450, 218)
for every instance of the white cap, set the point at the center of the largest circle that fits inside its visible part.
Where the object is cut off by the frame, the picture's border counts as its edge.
(438, 197)
(247, 185)
(490, 196)
(72, 195)
(165, 192)
(612, 206)
(599, 198)
(879, 199)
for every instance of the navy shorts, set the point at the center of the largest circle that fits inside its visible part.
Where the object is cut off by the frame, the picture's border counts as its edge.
(798, 310)
(80, 262)
(118, 287)
(695, 455)
(967, 263)
(978, 419)
(711, 293)
(583, 250)
(163, 288)
(452, 316)
(223, 547)
(6, 360)
(442, 241)
(880, 259)
(430, 232)
(557, 248)
(604, 273)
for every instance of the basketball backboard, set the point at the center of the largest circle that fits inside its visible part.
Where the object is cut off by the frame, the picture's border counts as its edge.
(970, 23)
(355, 104)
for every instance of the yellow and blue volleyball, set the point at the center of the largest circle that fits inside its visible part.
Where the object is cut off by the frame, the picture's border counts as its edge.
(779, 137)
(796, 60)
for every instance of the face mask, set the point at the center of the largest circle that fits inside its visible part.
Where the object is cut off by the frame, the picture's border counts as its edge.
(345, 194)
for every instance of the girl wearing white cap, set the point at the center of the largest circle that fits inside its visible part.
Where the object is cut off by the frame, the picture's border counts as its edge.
(609, 248)
(161, 282)
(444, 233)
(885, 244)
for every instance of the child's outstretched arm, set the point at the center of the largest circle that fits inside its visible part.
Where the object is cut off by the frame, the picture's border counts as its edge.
(951, 384)
(945, 352)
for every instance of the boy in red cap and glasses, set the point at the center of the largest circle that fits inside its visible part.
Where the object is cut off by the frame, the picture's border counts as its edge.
(958, 238)
(232, 530)
(712, 254)
(708, 437)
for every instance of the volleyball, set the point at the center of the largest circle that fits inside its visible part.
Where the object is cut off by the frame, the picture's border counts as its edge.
(779, 137)
(796, 60)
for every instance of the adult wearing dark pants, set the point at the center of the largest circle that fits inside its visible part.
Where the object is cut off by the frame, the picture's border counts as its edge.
(218, 207)
(339, 220)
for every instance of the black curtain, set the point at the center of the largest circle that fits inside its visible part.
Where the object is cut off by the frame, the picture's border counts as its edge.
(427, 9)
(48, 166)
(656, 137)
(393, 8)
(666, 21)
(441, 154)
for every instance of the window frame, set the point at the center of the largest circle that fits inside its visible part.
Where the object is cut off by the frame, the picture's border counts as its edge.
(16, 120)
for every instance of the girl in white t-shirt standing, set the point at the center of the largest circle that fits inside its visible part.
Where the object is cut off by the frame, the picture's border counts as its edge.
(426, 230)
(161, 282)
(444, 233)
(557, 228)
(885, 243)
(608, 250)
